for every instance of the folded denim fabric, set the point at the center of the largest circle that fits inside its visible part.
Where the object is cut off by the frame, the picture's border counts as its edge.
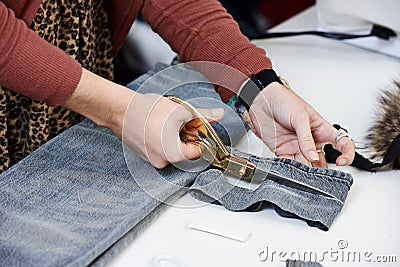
(316, 210)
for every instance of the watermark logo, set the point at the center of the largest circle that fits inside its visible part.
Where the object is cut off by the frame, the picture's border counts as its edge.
(340, 253)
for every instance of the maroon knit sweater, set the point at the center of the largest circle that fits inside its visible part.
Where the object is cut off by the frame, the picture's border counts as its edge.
(196, 30)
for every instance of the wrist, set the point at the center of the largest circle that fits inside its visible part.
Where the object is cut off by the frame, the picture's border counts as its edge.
(256, 83)
(100, 100)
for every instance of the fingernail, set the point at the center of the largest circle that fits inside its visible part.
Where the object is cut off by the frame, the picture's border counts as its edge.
(218, 112)
(313, 155)
(342, 162)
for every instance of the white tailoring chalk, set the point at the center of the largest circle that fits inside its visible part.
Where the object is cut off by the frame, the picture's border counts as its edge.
(166, 260)
(221, 231)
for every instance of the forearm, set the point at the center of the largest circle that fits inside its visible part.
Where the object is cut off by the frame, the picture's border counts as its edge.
(100, 100)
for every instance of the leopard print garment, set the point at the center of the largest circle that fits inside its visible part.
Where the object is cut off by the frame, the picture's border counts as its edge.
(81, 29)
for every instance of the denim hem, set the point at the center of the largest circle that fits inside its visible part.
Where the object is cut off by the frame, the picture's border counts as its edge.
(316, 210)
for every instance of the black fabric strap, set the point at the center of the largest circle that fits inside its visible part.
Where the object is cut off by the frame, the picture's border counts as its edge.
(377, 31)
(331, 154)
(255, 85)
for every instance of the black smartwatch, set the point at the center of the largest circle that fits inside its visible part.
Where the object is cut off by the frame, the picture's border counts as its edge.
(256, 84)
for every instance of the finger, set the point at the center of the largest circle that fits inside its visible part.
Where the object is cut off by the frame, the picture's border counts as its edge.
(300, 158)
(212, 115)
(321, 163)
(347, 147)
(306, 140)
(181, 113)
(189, 151)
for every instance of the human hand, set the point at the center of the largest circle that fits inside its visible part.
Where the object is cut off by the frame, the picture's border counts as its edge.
(292, 129)
(147, 123)
(152, 125)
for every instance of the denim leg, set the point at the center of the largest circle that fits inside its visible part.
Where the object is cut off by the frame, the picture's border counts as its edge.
(72, 199)
(136, 230)
(75, 199)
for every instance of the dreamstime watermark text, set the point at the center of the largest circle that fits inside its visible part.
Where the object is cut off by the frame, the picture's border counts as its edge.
(341, 253)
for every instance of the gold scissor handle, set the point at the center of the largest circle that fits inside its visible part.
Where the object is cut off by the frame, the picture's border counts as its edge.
(209, 152)
(213, 148)
(221, 150)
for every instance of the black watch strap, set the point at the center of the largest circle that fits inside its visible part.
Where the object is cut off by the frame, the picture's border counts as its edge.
(255, 84)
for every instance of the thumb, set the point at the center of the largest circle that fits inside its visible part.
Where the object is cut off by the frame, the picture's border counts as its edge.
(211, 115)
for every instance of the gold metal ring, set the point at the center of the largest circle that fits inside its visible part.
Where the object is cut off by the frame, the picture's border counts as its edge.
(321, 150)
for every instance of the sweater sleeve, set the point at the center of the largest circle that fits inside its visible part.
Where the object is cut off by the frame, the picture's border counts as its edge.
(31, 66)
(204, 31)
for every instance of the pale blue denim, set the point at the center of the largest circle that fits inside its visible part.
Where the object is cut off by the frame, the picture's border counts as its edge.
(72, 199)
(74, 202)
(317, 210)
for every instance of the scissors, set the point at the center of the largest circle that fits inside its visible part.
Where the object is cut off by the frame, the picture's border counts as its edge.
(216, 153)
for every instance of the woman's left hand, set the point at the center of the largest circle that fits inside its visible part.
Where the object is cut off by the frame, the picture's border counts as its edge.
(299, 132)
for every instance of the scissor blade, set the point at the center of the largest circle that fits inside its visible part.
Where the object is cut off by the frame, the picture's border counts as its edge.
(261, 175)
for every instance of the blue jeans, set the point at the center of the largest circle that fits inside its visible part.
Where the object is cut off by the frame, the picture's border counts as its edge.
(317, 210)
(76, 201)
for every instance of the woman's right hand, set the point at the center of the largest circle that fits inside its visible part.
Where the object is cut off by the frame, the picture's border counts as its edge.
(152, 125)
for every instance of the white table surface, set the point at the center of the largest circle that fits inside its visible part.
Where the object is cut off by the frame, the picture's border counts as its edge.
(342, 82)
